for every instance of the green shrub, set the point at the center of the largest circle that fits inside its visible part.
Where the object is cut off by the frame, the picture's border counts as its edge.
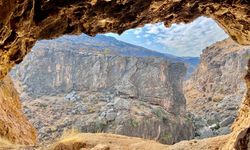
(161, 114)
(43, 105)
(167, 138)
(100, 126)
(134, 123)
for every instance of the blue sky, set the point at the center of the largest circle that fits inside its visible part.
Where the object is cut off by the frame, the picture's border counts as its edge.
(180, 39)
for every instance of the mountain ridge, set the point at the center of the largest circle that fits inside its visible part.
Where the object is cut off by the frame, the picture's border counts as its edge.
(108, 44)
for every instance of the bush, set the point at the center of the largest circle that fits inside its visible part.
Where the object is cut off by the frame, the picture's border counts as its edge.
(100, 126)
(161, 114)
(134, 123)
(167, 138)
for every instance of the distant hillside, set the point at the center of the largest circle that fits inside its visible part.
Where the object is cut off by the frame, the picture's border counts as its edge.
(107, 44)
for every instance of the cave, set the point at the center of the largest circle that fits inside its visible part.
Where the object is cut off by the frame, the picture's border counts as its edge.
(24, 22)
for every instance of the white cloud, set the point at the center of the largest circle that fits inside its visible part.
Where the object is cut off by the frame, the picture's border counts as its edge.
(137, 31)
(153, 29)
(180, 39)
(186, 39)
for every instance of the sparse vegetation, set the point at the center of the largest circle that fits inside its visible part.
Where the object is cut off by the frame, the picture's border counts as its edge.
(188, 119)
(246, 56)
(161, 114)
(70, 104)
(134, 123)
(1, 82)
(106, 51)
(91, 109)
(43, 105)
(167, 138)
(85, 100)
(100, 126)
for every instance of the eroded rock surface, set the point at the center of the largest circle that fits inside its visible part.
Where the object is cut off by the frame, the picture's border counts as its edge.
(24, 22)
(13, 124)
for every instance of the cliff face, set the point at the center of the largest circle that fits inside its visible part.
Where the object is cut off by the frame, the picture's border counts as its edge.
(13, 124)
(136, 96)
(216, 89)
(61, 70)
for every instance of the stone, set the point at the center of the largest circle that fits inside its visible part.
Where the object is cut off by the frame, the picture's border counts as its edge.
(72, 96)
(111, 115)
(214, 126)
(224, 130)
(205, 132)
(120, 103)
(227, 121)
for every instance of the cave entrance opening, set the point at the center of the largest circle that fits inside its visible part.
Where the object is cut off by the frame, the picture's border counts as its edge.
(132, 84)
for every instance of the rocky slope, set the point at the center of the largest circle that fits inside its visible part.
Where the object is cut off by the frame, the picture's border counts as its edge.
(13, 124)
(216, 89)
(100, 91)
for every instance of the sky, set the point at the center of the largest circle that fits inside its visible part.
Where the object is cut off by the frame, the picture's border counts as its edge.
(180, 39)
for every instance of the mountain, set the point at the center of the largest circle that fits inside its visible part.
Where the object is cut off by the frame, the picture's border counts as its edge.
(109, 44)
(215, 90)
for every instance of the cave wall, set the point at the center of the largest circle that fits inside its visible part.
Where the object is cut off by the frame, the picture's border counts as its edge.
(13, 124)
(23, 22)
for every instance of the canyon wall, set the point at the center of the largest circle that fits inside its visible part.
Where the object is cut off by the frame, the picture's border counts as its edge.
(96, 91)
(216, 89)
(62, 70)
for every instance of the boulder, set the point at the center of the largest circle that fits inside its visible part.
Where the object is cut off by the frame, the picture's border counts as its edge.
(227, 121)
